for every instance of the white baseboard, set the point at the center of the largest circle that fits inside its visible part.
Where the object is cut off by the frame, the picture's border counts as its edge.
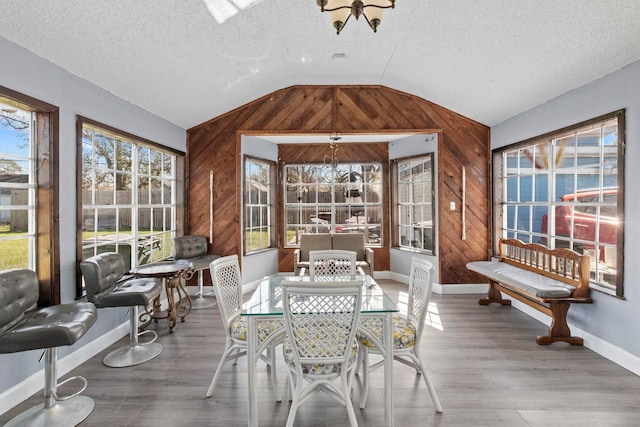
(605, 349)
(455, 289)
(402, 278)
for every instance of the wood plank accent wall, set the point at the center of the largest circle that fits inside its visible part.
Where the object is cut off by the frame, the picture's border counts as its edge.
(215, 146)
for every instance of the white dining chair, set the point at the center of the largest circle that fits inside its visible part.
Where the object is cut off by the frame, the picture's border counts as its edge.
(320, 347)
(407, 331)
(331, 262)
(227, 285)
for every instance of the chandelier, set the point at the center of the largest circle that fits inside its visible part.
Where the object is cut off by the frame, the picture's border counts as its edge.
(341, 11)
(333, 150)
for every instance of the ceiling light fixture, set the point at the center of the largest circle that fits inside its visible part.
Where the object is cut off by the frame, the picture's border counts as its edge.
(341, 11)
(333, 149)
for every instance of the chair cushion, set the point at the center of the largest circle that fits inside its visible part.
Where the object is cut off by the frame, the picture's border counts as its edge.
(238, 328)
(19, 292)
(187, 247)
(131, 293)
(350, 242)
(101, 273)
(313, 242)
(404, 333)
(48, 327)
(316, 368)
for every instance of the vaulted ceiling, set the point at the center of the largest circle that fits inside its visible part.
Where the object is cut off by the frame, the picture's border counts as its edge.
(191, 60)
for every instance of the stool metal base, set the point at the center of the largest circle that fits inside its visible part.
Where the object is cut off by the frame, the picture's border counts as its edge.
(63, 414)
(202, 301)
(132, 355)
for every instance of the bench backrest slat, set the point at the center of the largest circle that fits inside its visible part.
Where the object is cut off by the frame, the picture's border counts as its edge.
(561, 264)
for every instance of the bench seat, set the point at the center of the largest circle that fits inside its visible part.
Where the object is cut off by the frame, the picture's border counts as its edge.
(525, 280)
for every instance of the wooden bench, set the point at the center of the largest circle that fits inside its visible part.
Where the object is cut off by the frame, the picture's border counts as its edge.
(548, 280)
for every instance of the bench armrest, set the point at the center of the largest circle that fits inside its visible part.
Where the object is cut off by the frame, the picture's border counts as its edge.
(296, 261)
(369, 256)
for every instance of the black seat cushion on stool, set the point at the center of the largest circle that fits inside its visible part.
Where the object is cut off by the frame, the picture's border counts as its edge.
(55, 326)
(194, 249)
(187, 247)
(18, 293)
(104, 276)
(48, 327)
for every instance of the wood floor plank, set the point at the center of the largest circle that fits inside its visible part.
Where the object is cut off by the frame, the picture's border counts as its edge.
(484, 362)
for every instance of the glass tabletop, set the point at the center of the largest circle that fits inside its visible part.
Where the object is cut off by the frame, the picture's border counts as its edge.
(162, 268)
(267, 298)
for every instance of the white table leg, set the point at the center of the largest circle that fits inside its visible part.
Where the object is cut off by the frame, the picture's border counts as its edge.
(388, 369)
(252, 358)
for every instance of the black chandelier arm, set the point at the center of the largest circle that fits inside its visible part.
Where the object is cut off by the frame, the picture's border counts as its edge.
(373, 24)
(391, 6)
(323, 9)
(340, 27)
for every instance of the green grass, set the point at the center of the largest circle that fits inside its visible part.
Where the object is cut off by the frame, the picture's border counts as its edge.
(256, 240)
(13, 253)
(253, 239)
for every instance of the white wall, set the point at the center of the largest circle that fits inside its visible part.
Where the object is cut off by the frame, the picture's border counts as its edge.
(257, 265)
(400, 259)
(24, 72)
(608, 322)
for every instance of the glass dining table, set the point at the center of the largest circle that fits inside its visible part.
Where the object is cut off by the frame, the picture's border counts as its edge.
(265, 308)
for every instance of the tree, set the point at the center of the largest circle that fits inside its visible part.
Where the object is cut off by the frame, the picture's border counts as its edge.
(110, 153)
(10, 167)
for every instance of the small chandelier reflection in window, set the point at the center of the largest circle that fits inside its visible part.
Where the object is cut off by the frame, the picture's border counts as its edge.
(333, 149)
(341, 11)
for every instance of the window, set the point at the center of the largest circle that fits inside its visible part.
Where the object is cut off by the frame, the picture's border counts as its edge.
(17, 188)
(259, 210)
(129, 195)
(564, 189)
(413, 203)
(326, 198)
(28, 190)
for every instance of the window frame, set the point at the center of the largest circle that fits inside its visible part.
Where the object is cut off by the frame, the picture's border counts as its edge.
(46, 213)
(270, 204)
(157, 243)
(396, 223)
(552, 204)
(324, 226)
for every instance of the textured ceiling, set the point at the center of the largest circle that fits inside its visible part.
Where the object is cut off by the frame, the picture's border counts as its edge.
(485, 59)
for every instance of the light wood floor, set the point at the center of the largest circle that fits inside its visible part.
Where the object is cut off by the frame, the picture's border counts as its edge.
(484, 361)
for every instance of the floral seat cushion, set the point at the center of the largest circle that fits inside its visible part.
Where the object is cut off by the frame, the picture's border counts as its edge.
(404, 333)
(318, 368)
(238, 328)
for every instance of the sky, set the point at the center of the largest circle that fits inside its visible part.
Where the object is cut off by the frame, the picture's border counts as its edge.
(12, 141)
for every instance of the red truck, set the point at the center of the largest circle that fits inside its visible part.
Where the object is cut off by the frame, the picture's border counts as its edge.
(584, 217)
